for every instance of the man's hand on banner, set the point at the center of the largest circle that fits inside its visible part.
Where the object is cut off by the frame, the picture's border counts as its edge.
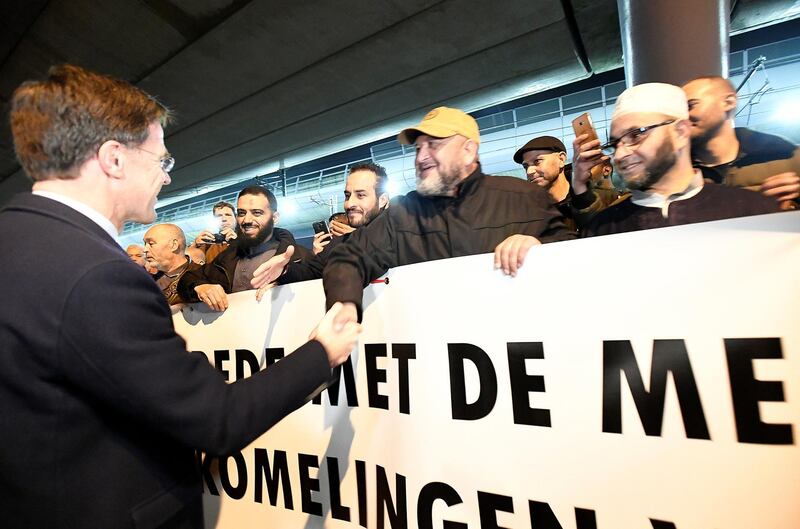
(510, 254)
(337, 339)
(212, 295)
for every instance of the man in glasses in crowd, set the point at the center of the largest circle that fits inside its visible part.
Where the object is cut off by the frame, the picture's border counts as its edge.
(650, 148)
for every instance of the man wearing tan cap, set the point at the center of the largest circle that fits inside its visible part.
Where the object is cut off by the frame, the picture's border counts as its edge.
(456, 210)
(650, 148)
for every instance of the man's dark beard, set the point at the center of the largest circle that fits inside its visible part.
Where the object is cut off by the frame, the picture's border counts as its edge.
(366, 217)
(663, 160)
(244, 241)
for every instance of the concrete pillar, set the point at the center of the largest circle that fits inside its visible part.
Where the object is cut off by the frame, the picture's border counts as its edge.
(672, 41)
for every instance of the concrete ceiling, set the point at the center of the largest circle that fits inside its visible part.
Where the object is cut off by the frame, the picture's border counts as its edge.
(256, 85)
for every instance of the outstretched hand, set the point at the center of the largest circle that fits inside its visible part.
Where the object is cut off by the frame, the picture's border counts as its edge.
(337, 333)
(272, 269)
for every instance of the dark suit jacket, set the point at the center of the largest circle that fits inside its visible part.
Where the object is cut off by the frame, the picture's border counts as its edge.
(102, 407)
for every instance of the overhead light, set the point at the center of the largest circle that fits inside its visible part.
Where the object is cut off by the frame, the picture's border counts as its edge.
(787, 111)
(393, 187)
(287, 207)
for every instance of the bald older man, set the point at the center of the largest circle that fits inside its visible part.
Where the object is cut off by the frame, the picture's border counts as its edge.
(165, 249)
(738, 156)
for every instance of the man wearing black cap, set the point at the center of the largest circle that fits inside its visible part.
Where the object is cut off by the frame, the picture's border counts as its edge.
(544, 159)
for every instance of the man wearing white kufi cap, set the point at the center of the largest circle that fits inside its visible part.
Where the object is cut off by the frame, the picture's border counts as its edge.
(650, 144)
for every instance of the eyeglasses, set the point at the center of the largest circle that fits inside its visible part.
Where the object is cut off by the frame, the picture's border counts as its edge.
(631, 138)
(166, 163)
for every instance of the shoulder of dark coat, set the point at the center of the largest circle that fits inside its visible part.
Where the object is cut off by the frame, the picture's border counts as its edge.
(763, 146)
(281, 235)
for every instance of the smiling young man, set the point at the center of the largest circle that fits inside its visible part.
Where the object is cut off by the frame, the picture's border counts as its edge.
(257, 241)
(103, 408)
(650, 148)
(365, 197)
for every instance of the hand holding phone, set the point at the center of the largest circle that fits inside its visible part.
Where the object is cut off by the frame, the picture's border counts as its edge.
(582, 125)
(321, 226)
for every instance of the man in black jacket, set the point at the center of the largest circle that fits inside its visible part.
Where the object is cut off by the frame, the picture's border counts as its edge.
(365, 197)
(738, 156)
(456, 210)
(650, 147)
(257, 241)
(102, 407)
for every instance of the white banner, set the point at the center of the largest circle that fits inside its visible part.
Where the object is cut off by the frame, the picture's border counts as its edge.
(643, 380)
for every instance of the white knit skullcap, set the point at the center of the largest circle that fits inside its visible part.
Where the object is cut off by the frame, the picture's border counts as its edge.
(656, 98)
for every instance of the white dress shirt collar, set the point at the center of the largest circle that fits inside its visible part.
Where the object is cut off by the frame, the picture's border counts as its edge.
(85, 210)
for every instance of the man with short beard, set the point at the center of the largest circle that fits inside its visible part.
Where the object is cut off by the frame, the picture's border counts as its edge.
(365, 197)
(257, 241)
(455, 211)
(738, 156)
(650, 148)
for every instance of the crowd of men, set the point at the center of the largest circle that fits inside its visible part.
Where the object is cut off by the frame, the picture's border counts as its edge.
(90, 347)
(675, 151)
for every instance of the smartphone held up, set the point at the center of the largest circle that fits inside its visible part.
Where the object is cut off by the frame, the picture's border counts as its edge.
(583, 125)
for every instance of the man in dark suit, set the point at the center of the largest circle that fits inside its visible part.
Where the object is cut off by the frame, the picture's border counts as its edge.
(102, 407)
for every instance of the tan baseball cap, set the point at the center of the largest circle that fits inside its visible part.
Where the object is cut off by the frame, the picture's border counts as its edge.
(443, 122)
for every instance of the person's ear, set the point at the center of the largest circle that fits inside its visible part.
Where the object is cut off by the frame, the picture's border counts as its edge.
(562, 159)
(683, 129)
(383, 201)
(275, 217)
(112, 157)
(729, 102)
(470, 152)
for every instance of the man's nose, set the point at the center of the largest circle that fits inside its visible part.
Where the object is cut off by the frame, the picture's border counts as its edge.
(422, 154)
(621, 152)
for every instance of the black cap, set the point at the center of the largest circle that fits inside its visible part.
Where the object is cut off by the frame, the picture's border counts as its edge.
(542, 143)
